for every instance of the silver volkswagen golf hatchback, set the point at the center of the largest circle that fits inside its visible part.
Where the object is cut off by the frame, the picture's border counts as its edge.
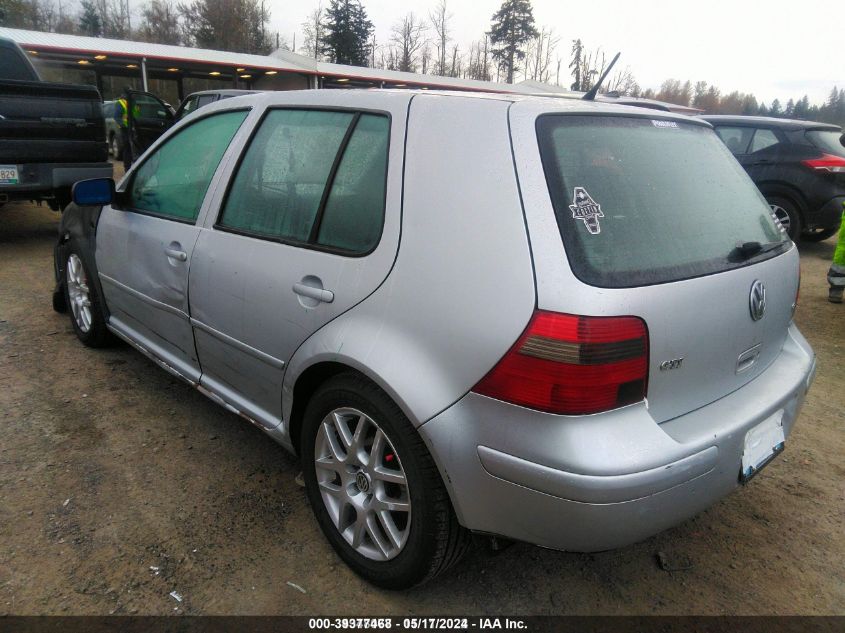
(556, 321)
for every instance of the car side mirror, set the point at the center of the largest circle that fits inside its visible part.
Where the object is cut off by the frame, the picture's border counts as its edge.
(96, 192)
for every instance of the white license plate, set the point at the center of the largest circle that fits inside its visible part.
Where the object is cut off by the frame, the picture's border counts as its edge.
(8, 174)
(762, 444)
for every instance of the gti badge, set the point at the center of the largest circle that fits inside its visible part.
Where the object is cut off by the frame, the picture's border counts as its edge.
(757, 301)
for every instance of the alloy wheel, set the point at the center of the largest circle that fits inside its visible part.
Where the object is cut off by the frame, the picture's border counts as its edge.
(782, 216)
(362, 484)
(78, 292)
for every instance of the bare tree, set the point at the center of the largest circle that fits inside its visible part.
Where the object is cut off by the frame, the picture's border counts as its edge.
(539, 54)
(408, 36)
(439, 19)
(160, 23)
(623, 83)
(312, 30)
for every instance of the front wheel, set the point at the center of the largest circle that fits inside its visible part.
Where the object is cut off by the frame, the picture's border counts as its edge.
(374, 488)
(83, 302)
(787, 214)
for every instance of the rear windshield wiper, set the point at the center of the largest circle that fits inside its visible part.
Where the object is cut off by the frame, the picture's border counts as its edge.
(747, 250)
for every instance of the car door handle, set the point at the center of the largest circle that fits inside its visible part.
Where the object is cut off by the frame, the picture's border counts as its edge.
(178, 255)
(318, 294)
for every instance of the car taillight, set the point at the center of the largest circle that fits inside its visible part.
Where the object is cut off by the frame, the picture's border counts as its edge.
(827, 162)
(571, 365)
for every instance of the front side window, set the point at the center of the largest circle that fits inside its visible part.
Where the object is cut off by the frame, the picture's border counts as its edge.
(312, 177)
(736, 138)
(172, 182)
(641, 201)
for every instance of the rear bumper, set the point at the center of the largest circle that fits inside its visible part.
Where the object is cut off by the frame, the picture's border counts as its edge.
(598, 482)
(41, 179)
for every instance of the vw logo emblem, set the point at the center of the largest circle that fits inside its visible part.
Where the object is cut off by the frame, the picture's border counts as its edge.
(757, 301)
(362, 481)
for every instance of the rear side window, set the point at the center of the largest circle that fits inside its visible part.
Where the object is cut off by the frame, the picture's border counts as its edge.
(354, 212)
(641, 201)
(763, 139)
(172, 182)
(828, 141)
(312, 177)
(14, 66)
(736, 138)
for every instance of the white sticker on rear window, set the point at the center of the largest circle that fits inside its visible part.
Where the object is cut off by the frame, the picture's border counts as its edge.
(586, 209)
(658, 123)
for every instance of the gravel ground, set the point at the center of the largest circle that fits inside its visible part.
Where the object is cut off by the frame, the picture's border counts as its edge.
(121, 485)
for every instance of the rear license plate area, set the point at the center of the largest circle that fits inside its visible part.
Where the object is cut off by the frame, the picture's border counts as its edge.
(762, 444)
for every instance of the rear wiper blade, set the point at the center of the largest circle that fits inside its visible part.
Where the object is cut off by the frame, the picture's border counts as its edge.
(747, 250)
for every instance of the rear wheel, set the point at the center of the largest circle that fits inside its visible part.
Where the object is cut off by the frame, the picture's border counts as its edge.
(787, 214)
(374, 488)
(818, 234)
(83, 302)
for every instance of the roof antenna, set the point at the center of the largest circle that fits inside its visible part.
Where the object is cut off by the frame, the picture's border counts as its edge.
(592, 92)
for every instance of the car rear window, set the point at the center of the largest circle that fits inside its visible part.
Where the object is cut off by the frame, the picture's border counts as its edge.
(643, 201)
(827, 141)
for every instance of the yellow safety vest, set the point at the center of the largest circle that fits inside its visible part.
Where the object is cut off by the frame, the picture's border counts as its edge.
(125, 112)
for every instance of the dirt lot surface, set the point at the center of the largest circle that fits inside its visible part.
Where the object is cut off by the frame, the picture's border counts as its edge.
(120, 485)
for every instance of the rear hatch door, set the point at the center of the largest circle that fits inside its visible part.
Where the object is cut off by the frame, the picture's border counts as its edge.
(632, 212)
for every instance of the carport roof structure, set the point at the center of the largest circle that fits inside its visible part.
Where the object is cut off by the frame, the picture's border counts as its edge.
(109, 55)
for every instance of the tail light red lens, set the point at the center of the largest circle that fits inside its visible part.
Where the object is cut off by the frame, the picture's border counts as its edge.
(573, 365)
(827, 162)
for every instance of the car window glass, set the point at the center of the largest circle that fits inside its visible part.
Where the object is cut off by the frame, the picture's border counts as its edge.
(354, 213)
(190, 106)
(763, 139)
(172, 182)
(147, 107)
(204, 100)
(736, 138)
(828, 141)
(280, 182)
(628, 222)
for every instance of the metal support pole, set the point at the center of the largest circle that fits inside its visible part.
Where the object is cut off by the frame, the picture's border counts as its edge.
(144, 81)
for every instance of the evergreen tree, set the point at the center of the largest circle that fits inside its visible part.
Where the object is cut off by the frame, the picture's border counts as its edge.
(347, 33)
(576, 63)
(511, 30)
(776, 110)
(90, 22)
(790, 109)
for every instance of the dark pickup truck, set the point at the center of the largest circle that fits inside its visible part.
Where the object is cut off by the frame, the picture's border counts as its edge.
(51, 134)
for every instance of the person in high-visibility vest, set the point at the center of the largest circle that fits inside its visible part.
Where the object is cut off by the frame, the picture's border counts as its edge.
(124, 124)
(836, 274)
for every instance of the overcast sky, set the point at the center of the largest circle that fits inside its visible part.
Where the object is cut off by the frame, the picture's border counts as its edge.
(772, 49)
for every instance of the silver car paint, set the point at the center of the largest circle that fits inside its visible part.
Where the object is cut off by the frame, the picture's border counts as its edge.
(460, 291)
(705, 321)
(462, 288)
(594, 483)
(248, 320)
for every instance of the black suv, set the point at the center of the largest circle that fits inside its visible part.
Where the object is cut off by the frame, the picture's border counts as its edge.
(799, 166)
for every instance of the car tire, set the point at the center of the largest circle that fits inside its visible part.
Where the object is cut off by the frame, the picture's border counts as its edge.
(348, 486)
(83, 301)
(818, 235)
(787, 213)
